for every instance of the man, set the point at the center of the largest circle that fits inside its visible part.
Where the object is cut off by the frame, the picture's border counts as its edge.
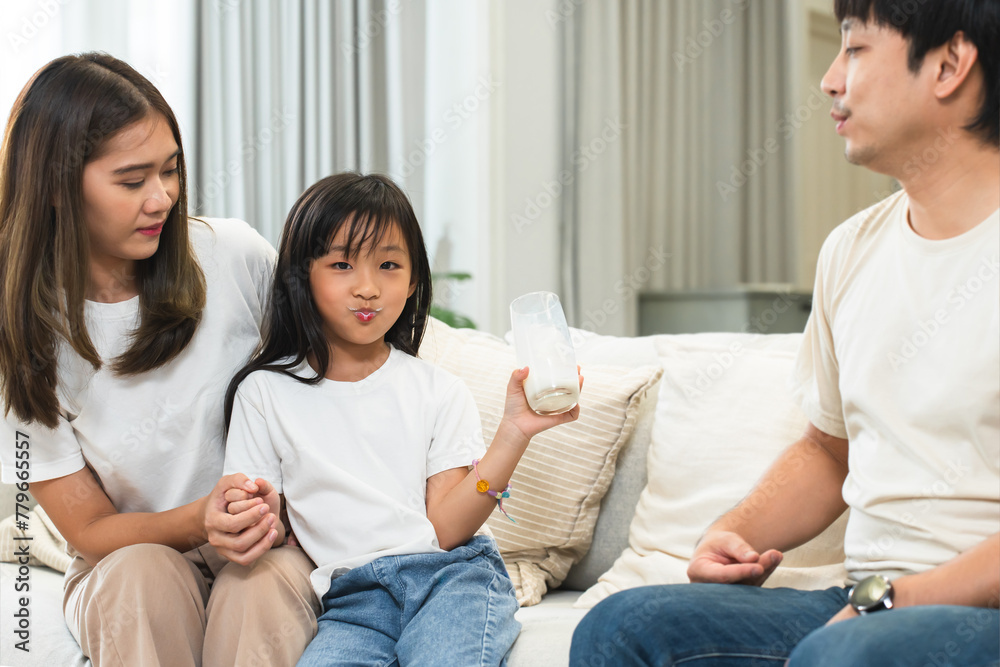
(899, 375)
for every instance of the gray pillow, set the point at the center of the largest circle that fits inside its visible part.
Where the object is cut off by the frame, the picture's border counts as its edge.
(618, 506)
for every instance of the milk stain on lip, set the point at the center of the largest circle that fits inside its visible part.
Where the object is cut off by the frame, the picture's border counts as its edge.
(365, 314)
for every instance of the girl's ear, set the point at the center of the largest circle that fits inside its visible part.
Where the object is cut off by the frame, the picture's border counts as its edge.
(413, 288)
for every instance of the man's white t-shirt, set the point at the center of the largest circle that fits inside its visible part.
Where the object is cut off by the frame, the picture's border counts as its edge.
(352, 458)
(901, 356)
(155, 440)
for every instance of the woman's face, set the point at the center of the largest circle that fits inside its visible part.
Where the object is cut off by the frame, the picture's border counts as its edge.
(128, 190)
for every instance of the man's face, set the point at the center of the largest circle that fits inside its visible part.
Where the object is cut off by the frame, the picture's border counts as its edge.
(882, 109)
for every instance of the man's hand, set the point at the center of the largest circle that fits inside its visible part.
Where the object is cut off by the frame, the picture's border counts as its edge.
(723, 557)
(244, 536)
(842, 615)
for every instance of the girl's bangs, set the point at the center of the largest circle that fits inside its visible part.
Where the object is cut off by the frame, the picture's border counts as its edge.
(364, 228)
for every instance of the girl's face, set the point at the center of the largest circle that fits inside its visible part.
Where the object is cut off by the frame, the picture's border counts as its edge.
(128, 190)
(361, 297)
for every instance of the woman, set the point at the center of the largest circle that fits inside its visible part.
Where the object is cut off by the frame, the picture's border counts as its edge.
(121, 323)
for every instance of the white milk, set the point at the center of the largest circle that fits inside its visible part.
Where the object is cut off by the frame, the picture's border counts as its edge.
(552, 385)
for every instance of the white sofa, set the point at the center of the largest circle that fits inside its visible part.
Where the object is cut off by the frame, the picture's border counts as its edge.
(695, 440)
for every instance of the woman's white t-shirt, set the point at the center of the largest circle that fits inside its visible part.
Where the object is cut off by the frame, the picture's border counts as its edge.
(155, 440)
(353, 458)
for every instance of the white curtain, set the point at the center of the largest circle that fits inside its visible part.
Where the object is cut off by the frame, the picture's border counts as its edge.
(290, 92)
(704, 161)
(692, 187)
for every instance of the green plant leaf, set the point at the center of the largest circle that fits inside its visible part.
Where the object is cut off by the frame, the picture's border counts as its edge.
(452, 319)
(453, 275)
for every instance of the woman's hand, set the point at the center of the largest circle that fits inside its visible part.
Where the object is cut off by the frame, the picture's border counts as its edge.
(241, 518)
(519, 413)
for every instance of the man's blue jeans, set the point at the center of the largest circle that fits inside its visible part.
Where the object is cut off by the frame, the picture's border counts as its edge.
(702, 625)
(451, 608)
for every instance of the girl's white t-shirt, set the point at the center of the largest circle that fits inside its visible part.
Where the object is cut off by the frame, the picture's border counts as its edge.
(901, 356)
(155, 440)
(352, 458)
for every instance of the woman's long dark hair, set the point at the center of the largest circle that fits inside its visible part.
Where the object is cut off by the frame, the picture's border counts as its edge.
(370, 205)
(62, 119)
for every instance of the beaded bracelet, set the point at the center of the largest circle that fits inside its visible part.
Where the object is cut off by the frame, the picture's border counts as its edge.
(482, 486)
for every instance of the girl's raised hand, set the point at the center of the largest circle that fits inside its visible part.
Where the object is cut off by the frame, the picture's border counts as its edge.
(519, 413)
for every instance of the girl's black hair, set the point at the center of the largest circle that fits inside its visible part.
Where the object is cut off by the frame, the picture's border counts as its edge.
(369, 205)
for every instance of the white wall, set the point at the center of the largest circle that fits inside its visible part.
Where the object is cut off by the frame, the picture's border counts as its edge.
(526, 151)
(29, 35)
(460, 93)
(33, 32)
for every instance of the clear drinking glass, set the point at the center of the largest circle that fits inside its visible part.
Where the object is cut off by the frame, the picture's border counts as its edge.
(543, 344)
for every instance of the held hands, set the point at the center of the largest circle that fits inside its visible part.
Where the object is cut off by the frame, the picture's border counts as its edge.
(241, 518)
(520, 415)
(723, 557)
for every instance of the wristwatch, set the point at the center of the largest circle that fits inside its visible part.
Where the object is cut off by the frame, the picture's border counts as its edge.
(871, 594)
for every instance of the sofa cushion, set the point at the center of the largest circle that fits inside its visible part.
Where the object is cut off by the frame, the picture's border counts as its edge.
(51, 642)
(564, 474)
(723, 414)
(546, 631)
(618, 505)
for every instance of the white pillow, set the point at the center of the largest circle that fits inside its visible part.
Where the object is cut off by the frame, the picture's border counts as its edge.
(723, 415)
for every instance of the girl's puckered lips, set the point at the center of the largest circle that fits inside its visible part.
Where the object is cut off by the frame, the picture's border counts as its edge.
(365, 314)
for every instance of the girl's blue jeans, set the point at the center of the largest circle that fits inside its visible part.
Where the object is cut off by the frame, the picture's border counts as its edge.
(720, 625)
(451, 608)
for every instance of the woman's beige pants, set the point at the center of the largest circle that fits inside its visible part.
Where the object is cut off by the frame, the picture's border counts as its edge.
(148, 605)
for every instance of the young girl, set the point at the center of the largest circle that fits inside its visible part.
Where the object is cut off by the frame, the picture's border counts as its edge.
(376, 453)
(121, 322)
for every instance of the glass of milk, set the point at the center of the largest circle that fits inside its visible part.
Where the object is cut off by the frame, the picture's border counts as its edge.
(543, 344)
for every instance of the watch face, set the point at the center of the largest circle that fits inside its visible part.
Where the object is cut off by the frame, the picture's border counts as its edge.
(870, 591)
